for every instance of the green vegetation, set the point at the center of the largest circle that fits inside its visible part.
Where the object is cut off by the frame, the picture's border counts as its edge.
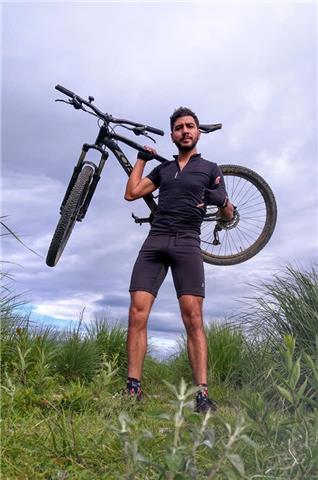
(65, 414)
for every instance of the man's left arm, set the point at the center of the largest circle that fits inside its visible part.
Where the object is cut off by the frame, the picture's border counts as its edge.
(217, 195)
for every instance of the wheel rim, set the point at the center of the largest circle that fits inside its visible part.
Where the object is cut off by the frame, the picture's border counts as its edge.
(248, 226)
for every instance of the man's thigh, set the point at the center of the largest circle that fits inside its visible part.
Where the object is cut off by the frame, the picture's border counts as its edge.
(150, 268)
(187, 270)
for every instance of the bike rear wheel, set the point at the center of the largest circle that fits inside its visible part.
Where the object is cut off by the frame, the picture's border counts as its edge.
(253, 224)
(69, 215)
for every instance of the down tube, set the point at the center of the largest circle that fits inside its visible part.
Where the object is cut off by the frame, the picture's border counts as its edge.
(124, 162)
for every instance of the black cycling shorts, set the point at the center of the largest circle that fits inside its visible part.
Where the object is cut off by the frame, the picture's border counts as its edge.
(179, 251)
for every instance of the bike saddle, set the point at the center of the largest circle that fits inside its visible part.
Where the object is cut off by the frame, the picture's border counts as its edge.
(208, 128)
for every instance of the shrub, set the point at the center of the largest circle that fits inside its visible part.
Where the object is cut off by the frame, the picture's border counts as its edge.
(77, 356)
(109, 341)
(286, 306)
(226, 356)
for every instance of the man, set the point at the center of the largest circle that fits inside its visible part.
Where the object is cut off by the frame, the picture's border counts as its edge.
(187, 185)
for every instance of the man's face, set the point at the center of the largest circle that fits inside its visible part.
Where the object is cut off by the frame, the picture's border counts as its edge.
(185, 133)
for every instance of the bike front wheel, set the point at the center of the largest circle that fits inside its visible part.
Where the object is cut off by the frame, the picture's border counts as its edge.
(69, 215)
(230, 243)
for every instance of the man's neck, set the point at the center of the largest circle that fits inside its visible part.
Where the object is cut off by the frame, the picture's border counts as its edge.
(183, 157)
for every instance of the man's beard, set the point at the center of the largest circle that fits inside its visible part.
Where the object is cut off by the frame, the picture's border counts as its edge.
(186, 148)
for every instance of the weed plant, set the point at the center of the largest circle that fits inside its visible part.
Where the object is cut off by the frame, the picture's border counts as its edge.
(288, 305)
(64, 415)
(227, 353)
(109, 340)
(75, 435)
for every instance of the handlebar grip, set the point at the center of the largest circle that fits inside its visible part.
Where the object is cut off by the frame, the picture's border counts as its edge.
(155, 130)
(65, 91)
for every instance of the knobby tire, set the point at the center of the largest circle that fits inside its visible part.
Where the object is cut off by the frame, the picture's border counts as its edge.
(69, 215)
(257, 218)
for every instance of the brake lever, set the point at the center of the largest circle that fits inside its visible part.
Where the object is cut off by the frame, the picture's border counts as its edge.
(141, 131)
(148, 136)
(69, 102)
(74, 102)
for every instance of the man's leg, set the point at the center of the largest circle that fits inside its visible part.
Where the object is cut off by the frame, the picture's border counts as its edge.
(191, 311)
(147, 276)
(140, 306)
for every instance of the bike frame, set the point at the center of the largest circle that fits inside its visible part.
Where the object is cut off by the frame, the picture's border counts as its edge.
(106, 139)
(246, 241)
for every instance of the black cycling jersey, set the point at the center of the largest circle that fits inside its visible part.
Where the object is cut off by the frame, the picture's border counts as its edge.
(180, 191)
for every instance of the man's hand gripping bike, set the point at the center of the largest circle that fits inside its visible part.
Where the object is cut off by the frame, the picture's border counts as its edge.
(222, 242)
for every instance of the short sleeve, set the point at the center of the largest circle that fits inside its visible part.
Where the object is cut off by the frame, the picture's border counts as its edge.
(216, 193)
(154, 176)
(216, 172)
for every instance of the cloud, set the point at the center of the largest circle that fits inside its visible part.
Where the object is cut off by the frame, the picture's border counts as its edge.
(250, 66)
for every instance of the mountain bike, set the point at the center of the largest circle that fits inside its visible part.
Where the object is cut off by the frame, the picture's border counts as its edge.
(222, 242)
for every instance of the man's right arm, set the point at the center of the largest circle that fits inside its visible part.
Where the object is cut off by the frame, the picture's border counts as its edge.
(137, 186)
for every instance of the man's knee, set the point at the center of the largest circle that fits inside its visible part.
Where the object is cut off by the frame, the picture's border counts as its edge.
(141, 303)
(137, 316)
(193, 322)
(191, 310)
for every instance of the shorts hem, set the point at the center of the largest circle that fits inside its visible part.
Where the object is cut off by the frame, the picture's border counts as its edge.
(140, 289)
(195, 294)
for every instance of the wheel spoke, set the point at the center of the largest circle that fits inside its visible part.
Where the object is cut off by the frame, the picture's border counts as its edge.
(245, 235)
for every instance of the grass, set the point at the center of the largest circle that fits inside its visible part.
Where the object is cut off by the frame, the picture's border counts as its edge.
(288, 305)
(70, 433)
(64, 415)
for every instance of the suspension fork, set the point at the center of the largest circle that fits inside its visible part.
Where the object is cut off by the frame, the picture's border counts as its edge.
(95, 179)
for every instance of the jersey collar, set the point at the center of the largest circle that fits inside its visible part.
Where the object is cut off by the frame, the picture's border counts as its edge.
(194, 156)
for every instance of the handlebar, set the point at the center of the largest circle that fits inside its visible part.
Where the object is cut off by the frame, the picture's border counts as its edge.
(65, 91)
(78, 101)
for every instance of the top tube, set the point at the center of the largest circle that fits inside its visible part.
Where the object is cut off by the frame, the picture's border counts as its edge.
(135, 145)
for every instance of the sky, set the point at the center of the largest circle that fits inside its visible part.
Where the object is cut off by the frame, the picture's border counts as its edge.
(251, 66)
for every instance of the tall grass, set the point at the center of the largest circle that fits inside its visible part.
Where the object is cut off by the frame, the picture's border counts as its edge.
(81, 436)
(63, 416)
(288, 305)
(109, 340)
(76, 357)
(78, 352)
(226, 355)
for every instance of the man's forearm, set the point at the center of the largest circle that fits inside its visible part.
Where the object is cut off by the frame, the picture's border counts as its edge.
(135, 177)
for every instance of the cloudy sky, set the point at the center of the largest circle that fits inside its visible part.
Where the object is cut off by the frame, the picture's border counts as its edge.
(250, 65)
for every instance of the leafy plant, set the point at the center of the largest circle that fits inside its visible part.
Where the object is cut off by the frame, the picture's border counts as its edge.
(226, 355)
(286, 306)
(294, 426)
(109, 340)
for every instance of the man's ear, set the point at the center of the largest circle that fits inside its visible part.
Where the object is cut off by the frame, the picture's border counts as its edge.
(171, 136)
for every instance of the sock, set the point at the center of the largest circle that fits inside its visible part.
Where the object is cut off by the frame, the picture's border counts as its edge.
(203, 392)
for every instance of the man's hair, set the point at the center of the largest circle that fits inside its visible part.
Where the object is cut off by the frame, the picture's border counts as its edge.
(182, 112)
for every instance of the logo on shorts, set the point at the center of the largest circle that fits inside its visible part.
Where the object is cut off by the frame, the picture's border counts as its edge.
(202, 285)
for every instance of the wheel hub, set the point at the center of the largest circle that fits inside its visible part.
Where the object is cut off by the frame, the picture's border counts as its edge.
(228, 225)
